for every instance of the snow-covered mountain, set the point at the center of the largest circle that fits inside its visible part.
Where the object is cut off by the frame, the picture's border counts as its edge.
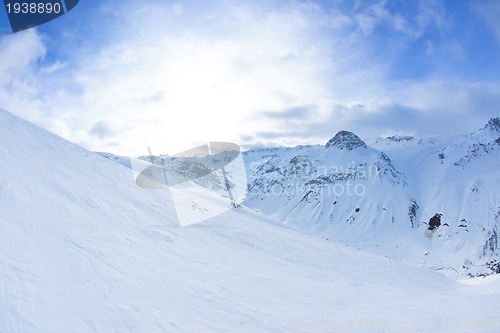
(384, 197)
(84, 249)
(329, 190)
(380, 197)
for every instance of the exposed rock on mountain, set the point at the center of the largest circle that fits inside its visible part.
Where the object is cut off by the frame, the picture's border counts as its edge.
(345, 140)
(493, 125)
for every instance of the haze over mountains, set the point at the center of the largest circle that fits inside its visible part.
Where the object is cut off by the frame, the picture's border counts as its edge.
(84, 249)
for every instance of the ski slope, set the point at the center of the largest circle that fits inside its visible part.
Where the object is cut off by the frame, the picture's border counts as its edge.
(84, 249)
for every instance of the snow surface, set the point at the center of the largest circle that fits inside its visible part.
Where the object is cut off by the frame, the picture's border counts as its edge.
(84, 249)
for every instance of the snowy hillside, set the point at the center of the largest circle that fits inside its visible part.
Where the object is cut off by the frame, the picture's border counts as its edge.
(329, 189)
(84, 249)
(383, 198)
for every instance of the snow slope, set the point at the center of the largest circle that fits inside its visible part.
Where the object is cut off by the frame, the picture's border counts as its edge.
(84, 249)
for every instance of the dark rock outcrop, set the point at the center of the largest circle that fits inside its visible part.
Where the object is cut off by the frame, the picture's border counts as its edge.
(346, 140)
(435, 221)
(493, 125)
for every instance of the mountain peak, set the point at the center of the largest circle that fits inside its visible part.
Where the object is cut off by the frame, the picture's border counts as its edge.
(493, 124)
(346, 140)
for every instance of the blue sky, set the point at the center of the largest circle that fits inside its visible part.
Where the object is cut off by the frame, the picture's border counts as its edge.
(121, 76)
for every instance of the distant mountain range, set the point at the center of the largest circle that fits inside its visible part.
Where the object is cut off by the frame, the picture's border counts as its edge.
(380, 196)
(384, 195)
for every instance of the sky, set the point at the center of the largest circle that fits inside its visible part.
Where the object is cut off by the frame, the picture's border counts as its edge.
(124, 75)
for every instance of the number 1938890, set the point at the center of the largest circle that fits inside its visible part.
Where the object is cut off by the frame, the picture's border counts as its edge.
(33, 8)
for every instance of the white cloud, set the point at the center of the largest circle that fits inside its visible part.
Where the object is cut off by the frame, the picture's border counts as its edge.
(429, 47)
(443, 108)
(19, 87)
(490, 12)
(178, 9)
(170, 90)
(52, 68)
(468, 99)
(428, 13)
